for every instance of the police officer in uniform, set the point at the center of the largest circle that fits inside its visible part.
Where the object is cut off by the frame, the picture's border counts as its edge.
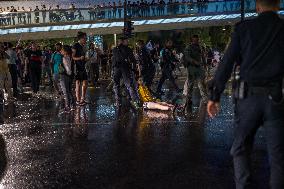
(167, 66)
(194, 61)
(259, 96)
(146, 65)
(123, 64)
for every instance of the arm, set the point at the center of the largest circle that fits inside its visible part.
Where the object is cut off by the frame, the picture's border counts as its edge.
(74, 56)
(67, 64)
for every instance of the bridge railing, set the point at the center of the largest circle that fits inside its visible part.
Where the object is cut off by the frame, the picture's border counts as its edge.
(46, 17)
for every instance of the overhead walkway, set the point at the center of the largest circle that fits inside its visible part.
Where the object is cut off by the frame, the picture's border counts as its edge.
(66, 23)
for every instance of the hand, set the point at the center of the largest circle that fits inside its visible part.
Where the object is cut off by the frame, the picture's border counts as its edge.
(213, 108)
(196, 63)
(25, 73)
(82, 58)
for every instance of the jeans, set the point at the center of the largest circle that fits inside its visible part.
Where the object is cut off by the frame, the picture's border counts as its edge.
(166, 74)
(66, 86)
(94, 72)
(14, 76)
(126, 75)
(47, 71)
(35, 75)
(251, 113)
(57, 83)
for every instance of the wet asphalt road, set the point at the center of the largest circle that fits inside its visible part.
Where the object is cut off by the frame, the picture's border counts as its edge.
(97, 147)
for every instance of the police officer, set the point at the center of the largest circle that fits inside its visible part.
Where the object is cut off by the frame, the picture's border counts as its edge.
(146, 65)
(167, 66)
(259, 92)
(123, 60)
(194, 61)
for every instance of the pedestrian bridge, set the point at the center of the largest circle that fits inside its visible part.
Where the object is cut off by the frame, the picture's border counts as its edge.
(43, 24)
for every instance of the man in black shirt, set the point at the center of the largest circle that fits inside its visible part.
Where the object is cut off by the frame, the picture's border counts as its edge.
(123, 60)
(168, 61)
(258, 91)
(147, 68)
(34, 59)
(81, 77)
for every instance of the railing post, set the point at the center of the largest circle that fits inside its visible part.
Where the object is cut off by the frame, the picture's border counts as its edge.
(115, 39)
(242, 10)
(125, 10)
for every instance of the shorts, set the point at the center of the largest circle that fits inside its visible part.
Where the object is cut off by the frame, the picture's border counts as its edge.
(81, 76)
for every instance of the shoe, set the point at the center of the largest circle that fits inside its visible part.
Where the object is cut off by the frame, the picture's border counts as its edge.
(135, 105)
(12, 99)
(67, 110)
(179, 90)
(72, 108)
(83, 103)
(117, 104)
(160, 93)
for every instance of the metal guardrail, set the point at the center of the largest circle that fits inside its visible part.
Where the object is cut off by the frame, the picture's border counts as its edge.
(41, 17)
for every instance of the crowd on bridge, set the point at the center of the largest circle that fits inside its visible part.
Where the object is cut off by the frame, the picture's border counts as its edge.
(58, 68)
(143, 8)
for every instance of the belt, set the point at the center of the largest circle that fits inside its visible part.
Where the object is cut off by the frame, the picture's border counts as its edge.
(259, 91)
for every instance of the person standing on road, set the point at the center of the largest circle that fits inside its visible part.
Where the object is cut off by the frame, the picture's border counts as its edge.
(56, 60)
(46, 68)
(34, 59)
(66, 78)
(122, 65)
(258, 91)
(146, 66)
(167, 66)
(94, 67)
(81, 77)
(5, 76)
(194, 61)
(12, 67)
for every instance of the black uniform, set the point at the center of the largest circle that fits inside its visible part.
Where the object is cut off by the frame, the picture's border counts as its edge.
(261, 70)
(123, 60)
(147, 67)
(167, 66)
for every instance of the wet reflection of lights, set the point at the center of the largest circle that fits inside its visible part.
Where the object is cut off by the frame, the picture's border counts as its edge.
(105, 111)
(157, 115)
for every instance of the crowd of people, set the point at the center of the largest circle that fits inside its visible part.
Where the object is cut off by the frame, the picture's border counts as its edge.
(110, 10)
(84, 64)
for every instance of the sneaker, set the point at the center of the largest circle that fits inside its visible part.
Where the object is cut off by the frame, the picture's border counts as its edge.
(12, 99)
(179, 90)
(72, 108)
(117, 104)
(83, 103)
(135, 105)
(159, 93)
(67, 110)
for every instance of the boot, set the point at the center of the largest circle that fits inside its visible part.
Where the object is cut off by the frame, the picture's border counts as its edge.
(135, 105)
(188, 107)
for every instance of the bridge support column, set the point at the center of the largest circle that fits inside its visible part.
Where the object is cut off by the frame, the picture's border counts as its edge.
(242, 10)
(115, 39)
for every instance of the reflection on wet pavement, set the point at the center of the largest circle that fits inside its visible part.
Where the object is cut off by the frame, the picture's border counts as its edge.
(99, 147)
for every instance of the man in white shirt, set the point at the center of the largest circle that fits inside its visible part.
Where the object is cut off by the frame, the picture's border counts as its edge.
(12, 67)
(93, 63)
